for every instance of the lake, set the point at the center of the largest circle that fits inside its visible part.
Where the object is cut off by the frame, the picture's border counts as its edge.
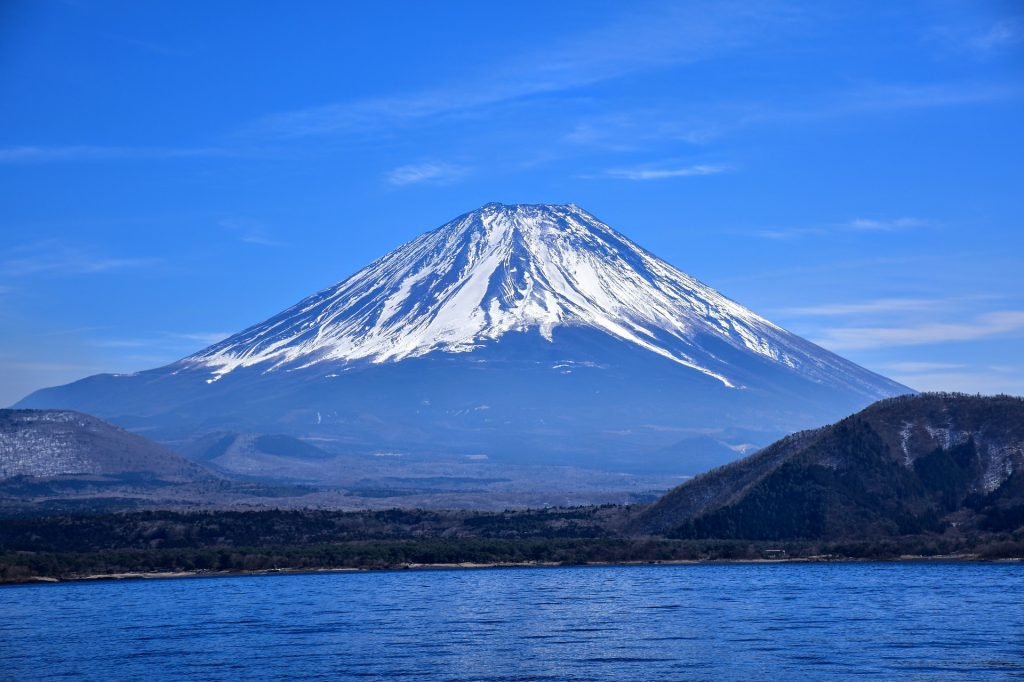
(720, 621)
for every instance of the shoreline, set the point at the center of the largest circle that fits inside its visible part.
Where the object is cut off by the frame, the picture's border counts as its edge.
(470, 566)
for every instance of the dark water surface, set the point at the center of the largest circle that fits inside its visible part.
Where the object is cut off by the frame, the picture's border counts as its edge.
(782, 621)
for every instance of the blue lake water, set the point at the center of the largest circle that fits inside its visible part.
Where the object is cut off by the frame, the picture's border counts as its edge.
(869, 621)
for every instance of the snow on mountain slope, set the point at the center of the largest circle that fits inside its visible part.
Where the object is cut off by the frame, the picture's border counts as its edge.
(517, 268)
(519, 333)
(54, 443)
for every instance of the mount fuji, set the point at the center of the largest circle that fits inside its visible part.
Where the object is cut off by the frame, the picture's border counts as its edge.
(514, 333)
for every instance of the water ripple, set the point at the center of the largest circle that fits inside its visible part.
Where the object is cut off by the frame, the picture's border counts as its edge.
(875, 621)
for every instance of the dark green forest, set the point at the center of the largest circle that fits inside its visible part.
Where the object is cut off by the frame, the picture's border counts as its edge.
(69, 547)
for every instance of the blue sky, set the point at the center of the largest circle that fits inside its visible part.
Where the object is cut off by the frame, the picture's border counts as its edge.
(171, 172)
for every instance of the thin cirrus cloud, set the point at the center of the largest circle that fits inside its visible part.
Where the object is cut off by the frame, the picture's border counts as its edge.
(149, 46)
(852, 225)
(628, 130)
(642, 174)
(430, 172)
(912, 367)
(698, 123)
(201, 337)
(871, 224)
(888, 97)
(971, 379)
(881, 305)
(28, 154)
(872, 99)
(679, 34)
(983, 41)
(983, 326)
(54, 258)
(249, 232)
(168, 341)
(1003, 33)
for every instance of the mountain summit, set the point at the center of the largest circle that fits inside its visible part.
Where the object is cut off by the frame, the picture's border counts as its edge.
(521, 268)
(521, 331)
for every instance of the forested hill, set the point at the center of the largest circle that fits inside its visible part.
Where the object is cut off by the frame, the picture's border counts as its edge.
(912, 464)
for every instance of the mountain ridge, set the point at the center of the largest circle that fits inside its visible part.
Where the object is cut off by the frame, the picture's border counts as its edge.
(903, 465)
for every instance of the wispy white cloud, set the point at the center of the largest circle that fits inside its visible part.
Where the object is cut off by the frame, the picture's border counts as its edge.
(52, 366)
(966, 378)
(881, 305)
(1003, 33)
(150, 46)
(166, 341)
(630, 130)
(873, 224)
(698, 122)
(118, 343)
(56, 258)
(913, 367)
(891, 97)
(249, 231)
(259, 240)
(788, 233)
(677, 34)
(852, 225)
(28, 154)
(640, 174)
(875, 99)
(878, 308)
(886, 327)
(207, 338)
(981, 40)
(979, 327)
(429, 172)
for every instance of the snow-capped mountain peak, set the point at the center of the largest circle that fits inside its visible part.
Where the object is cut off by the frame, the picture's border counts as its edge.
(508, 268)
(526, 333)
